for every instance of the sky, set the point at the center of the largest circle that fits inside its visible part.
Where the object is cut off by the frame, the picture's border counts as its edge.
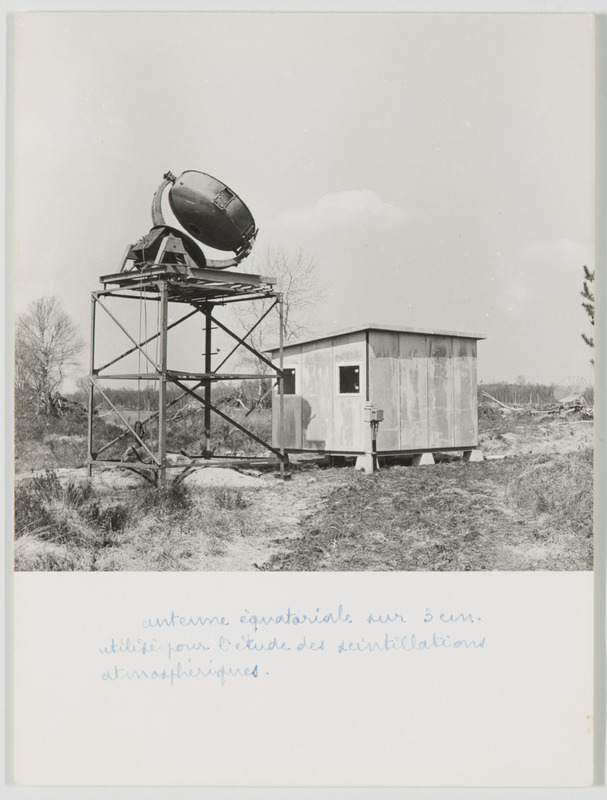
(438, 168)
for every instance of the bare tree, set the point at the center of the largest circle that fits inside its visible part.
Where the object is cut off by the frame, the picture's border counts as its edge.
(297, 281)
(47, 344)
(588, 304)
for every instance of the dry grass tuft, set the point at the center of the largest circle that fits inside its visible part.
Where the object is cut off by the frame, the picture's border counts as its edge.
(229, 498)
(182, 537)
(68, 527)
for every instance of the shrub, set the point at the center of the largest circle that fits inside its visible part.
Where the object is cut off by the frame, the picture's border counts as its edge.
(39, 500)
(65, 514)
(174, 500)
(109, 518)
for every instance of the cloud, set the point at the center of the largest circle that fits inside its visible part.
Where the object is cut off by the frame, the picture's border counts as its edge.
(360, 207)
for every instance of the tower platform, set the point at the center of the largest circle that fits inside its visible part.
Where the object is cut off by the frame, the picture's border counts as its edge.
(189, 284)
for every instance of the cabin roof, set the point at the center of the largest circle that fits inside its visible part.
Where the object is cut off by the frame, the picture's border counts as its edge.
(371, 326)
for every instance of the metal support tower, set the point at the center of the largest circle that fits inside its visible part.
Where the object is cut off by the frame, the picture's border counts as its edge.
(200, 291)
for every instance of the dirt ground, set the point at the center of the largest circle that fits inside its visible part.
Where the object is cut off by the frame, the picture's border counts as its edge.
(527, 506)
(488, 527)
(536, 435)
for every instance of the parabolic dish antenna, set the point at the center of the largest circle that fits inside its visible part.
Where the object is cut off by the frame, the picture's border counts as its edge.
(210, 212)
(570, 390)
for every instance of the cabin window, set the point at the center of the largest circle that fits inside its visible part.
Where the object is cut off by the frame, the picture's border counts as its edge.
(289, 381)
(349, 379)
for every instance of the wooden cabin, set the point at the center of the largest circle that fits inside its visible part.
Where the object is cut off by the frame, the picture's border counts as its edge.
(424, 381)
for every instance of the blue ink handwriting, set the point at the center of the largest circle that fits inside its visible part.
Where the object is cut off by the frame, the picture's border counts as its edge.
(450, 617)
(173, 674)
(128, 645)
(182, 648)
(176, 621)
(406, 643)
(291, 618)
(385, 618)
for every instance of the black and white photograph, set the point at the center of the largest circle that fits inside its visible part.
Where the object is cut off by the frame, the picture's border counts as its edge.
(369, 349)
(304, 399)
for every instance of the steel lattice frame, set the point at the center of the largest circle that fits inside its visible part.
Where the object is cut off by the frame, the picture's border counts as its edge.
(200, 290)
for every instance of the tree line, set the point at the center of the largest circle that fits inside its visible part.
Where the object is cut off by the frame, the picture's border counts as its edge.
(520, 393)
(48, 344)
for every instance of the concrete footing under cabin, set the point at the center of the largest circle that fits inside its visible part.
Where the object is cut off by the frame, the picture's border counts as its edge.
(365, 463)
(368, 464)
(422, 459)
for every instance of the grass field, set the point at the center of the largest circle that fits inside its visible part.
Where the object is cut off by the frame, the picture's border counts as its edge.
(517, 514)
(528, 508)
